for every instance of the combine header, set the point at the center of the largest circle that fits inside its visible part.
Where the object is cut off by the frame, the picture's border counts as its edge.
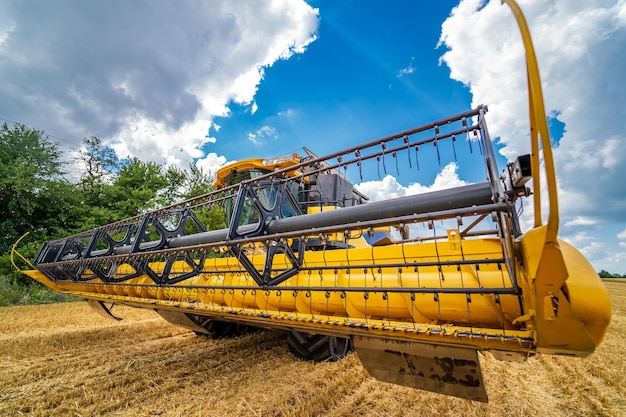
(417, 285)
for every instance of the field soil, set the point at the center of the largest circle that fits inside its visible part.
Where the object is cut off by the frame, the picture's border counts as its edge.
(64, 359)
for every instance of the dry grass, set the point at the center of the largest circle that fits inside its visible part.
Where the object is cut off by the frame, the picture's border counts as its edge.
(64, 359)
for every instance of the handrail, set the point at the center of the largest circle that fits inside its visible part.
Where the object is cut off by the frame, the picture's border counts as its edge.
(538, 127)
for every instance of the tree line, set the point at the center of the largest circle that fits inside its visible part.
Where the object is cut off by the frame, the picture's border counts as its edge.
(52, 198)
(607, 274)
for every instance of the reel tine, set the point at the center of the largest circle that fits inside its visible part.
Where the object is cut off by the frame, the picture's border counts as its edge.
(436, 145)
(384, 146)
(454, 147)
(417, 161)
(408, 150)
(395, 157)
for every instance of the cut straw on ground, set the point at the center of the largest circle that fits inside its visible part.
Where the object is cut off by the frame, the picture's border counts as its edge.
(64, 359)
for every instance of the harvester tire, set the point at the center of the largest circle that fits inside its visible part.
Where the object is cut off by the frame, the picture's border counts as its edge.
(216, 329)
(317, 347)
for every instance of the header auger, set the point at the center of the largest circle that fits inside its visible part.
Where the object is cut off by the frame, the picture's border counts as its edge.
(417, 285)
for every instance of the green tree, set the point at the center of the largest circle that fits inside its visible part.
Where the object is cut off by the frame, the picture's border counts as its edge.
(607, 274)
(137, 189)
(100, 160)
(174, 190)
(185, 184)
(30, 180)
(96, 184)
(198, 182)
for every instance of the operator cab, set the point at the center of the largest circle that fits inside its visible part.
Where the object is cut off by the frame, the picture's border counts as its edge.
(322, 190)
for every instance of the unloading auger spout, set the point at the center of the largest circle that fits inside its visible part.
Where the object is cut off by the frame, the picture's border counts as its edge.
(417, 284)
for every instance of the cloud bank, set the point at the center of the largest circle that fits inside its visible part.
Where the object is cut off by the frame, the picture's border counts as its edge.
(147, 77)
(580, 48)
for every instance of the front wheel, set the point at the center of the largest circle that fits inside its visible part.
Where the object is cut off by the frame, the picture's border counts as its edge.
(317, 347)
(216, 329)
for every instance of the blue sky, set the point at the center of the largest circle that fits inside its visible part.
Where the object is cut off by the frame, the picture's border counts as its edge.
(208, 82)
(373, 70)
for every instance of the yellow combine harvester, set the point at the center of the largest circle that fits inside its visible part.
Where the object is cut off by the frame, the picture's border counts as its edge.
(417, 285)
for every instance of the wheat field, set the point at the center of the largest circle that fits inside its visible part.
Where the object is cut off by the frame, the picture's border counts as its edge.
(64, 359)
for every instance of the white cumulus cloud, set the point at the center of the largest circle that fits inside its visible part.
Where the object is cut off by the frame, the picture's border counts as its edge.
(211, 163)
(389, 187)
(580, 50)
(579, 47)
(262, 134)
(147, 77)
